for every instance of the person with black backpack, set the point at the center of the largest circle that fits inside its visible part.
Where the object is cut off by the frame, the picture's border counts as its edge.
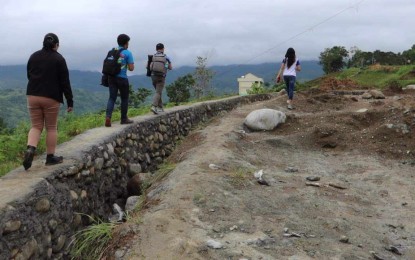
(158, 67)
(115, 67)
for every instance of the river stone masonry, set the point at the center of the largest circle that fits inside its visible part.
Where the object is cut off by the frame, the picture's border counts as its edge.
(41, 209)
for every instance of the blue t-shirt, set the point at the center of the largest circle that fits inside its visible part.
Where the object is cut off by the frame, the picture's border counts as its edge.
(126, 57)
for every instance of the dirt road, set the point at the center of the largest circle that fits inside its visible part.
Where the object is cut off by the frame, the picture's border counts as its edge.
(362, 206)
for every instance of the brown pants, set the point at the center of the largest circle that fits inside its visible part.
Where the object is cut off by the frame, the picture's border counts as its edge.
(43, 113)
(158, 84)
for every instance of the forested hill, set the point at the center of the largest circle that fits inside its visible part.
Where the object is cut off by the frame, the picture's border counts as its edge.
(89, 96)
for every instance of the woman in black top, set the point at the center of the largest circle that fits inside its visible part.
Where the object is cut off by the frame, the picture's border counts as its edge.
(48, 82)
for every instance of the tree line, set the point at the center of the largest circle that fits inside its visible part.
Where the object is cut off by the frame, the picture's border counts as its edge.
(337, 58)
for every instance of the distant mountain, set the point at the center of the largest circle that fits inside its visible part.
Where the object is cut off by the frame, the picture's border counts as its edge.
(90, 96)
(225, 79)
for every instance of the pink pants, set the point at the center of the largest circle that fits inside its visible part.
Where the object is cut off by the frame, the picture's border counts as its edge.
(43, 113)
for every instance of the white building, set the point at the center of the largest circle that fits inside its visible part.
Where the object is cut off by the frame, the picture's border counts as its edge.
(245, 83)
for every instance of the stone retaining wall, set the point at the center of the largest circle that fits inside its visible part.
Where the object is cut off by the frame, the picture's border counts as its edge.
(40, 209)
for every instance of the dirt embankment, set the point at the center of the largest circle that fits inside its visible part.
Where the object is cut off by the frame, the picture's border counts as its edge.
(358, 205)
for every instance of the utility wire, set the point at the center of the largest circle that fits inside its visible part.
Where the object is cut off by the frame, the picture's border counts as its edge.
(355, 6)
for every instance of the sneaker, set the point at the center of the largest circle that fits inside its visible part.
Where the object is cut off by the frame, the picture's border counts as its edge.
(126, 121)
(290, 107)
(108, 122)
(154, 110)
(28, 157)
(160, 110)
(52, 160)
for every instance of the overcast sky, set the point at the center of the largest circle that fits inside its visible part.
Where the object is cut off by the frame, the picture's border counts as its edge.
(225, 31)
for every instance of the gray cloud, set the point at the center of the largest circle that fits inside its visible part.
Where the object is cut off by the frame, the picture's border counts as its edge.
(229, 32)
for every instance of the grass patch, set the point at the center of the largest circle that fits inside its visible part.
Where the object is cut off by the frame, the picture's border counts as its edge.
(92, 242)
(199, 199)
(162, 172)
(240, 177)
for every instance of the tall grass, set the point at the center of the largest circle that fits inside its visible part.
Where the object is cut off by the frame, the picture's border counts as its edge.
(91, 242)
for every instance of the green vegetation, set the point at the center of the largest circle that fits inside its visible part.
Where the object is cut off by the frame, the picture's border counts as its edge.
(240, 177)
(179, 91)
(13, 141)
(333, 59)
(337, 58)
(378, 76)
(162, 171)
(257, 88)
(91, 242)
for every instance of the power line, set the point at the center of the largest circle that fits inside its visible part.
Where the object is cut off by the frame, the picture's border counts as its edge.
(355, 6)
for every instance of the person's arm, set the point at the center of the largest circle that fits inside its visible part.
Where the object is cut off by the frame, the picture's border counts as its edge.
(278, 78)
(130, 62)
(298, 66)
(169, 66)
(66, 84)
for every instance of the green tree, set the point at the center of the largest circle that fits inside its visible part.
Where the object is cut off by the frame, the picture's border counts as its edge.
(333, 59)
(361, 59)
(179, 91)
(137, 98)
(202, 76)
(257, 88)
(409, 55)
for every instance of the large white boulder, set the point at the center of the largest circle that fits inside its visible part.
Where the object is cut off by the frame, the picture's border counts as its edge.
(264, 119)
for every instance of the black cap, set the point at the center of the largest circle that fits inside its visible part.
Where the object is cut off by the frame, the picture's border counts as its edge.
(51, 37)
(159, 46)
(122, 39)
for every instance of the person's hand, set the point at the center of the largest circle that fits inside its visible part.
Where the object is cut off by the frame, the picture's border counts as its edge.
(69, 109)
(278, 79)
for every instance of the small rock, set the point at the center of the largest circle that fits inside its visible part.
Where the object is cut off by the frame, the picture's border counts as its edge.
(43, 205)
(234, 227)
(376, 256)
(337, 186)
(214, 244)
(315, 184)
(291, 169)
(286, 230)
(119, 254)
(394, 249)
(214, 166)
(12, 226)
(344, 239)
(313, 178)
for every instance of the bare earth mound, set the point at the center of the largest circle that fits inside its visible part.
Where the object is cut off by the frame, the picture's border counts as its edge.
(361, 208)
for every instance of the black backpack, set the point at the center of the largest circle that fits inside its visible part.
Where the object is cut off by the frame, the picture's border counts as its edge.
(111, 67)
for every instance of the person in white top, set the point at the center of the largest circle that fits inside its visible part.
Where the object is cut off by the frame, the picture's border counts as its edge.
(289, 67)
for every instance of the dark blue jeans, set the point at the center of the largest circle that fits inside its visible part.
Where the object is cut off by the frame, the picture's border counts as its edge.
(290, 86)
(118, 84)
